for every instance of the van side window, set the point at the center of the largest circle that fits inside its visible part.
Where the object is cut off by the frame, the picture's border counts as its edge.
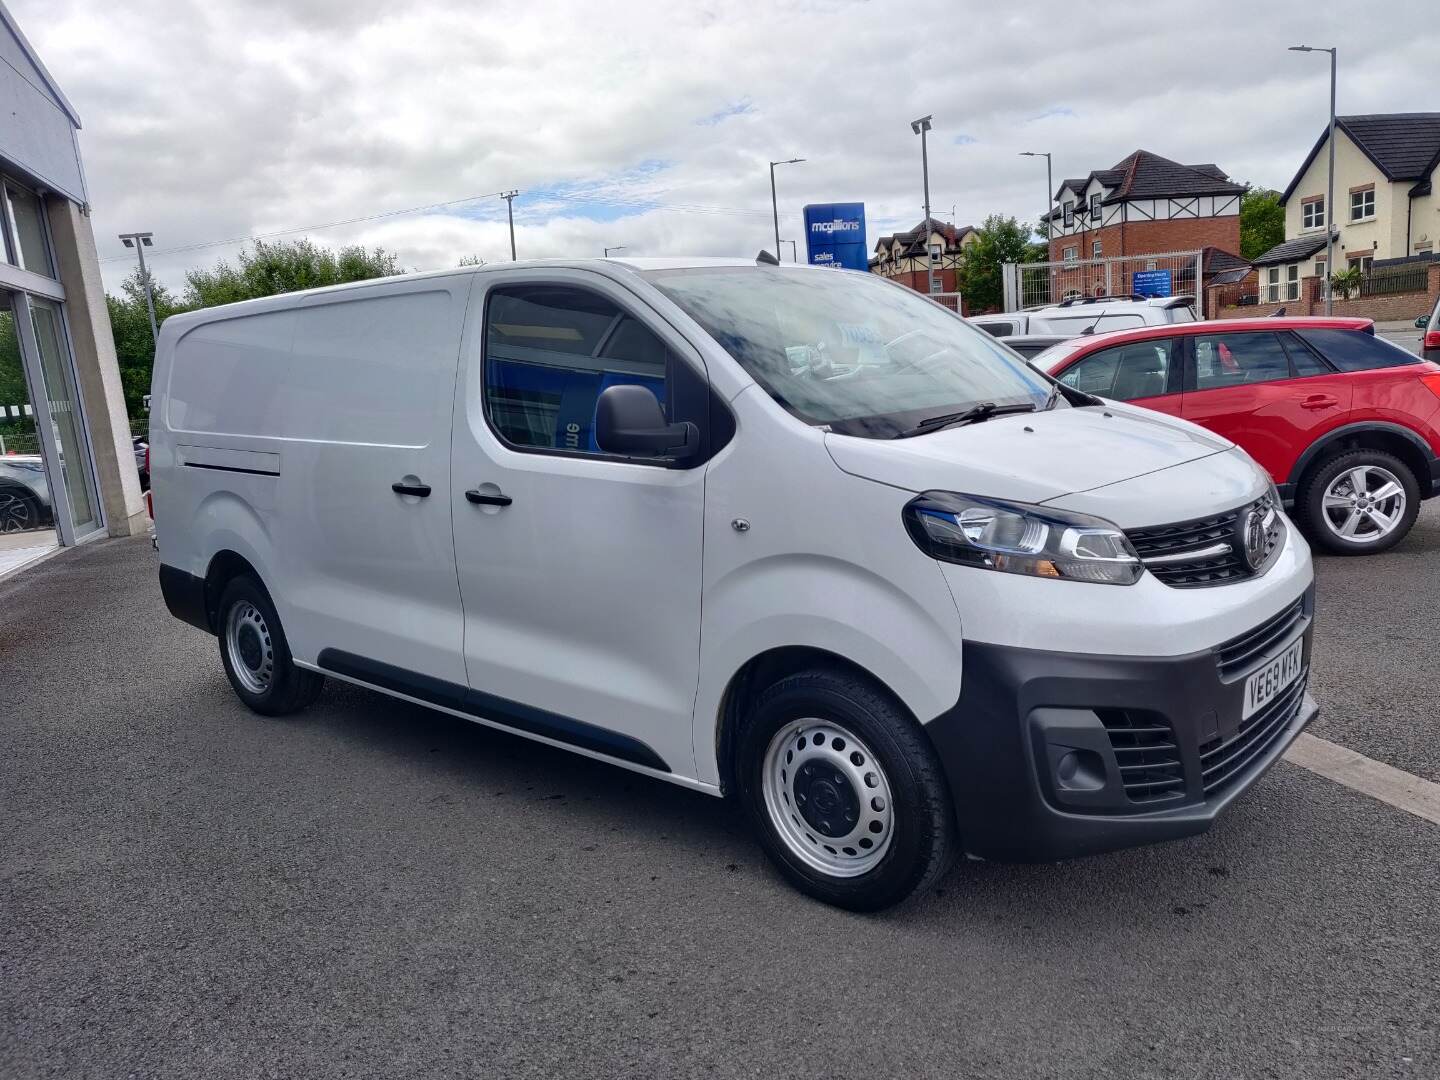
(1125, 372)
(1238, 359)
(549, 352)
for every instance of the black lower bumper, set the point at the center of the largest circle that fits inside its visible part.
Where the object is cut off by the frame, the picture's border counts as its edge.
(1052, 755)
(185, 597)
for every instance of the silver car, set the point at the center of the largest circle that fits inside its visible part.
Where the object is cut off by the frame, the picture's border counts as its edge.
(24, 495)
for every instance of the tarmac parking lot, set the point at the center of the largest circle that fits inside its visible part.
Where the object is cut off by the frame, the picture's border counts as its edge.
(372, 889)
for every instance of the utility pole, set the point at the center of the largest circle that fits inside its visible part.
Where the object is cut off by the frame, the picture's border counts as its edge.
(140, 241)
(1330, 186)
(920, 127)
(509, 197)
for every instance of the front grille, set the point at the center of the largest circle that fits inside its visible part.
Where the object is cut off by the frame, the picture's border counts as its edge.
(1203, 551)
(1148, 756)
(1223, 760)
(1238, 653)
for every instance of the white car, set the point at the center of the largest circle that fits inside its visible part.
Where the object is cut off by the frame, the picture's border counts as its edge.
(1089, 314)
(794, 534)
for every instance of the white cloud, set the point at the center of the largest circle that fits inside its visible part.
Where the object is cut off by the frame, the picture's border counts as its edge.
(206, 121)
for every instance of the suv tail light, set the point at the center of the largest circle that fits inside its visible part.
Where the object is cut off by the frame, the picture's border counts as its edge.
(1432, 379)
(1432, 338)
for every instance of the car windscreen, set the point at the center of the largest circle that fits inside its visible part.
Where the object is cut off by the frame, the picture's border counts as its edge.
(848, 350)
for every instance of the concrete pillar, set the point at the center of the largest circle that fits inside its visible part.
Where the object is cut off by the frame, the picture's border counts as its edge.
(96, 368)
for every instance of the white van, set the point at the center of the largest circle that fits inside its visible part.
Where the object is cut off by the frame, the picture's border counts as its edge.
(1089, 314)
(795, 534)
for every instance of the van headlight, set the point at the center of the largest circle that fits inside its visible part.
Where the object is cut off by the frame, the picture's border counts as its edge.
(1020, 538)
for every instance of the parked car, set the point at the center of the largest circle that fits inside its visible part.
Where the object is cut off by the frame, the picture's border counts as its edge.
(1090, 314)
(801, 536)
(1430, 344)
(142, 460)
(24, 495)
(1346, 423)
(1031, 345)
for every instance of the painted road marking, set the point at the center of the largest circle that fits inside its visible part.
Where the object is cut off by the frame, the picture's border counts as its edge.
(1357, 772)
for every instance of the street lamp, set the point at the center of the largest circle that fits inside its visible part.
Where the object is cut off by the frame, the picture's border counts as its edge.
(774, 205)
(617, 247)
(793, 249)
(1049, 194)
(920, 127)
(140, 241)
(1330, 189)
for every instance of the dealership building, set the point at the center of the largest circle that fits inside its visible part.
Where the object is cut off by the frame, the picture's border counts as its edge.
(67, 468)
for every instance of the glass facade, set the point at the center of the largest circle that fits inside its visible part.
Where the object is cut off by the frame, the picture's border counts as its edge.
(28, 248)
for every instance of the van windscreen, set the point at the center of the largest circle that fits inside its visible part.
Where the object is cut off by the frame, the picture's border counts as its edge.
(846, 350)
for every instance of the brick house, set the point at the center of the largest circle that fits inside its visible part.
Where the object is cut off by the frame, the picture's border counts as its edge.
(1145, 204)
(907, 257)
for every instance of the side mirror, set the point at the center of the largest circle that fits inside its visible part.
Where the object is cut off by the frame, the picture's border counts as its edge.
(1422, 322)
(629, 421)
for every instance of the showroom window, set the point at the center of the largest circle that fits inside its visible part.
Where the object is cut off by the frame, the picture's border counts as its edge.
(26, 244)
(549, 352)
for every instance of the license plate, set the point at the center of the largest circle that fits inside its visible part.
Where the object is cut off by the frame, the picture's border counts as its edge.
(1263, 687)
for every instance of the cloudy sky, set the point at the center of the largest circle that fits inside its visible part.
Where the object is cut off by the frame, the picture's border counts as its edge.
(651, 124)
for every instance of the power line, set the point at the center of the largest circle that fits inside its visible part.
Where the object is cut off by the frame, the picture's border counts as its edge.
(679, 208)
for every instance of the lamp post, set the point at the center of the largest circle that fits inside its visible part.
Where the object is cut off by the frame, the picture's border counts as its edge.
(616, 247)
(774, 204)
(794, 257)
(920, 127)
(1049, 194)
(140, 241)
(1330, 186)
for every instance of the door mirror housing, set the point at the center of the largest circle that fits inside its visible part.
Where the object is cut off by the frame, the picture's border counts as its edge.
(1422, 322)
(630, 422)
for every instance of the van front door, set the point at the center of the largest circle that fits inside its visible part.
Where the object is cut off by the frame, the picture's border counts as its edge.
(579, 571)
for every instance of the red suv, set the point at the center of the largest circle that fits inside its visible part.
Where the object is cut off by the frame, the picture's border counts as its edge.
(1346, 423)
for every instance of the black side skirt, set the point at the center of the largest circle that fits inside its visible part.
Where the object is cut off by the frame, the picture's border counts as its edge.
(512, 714)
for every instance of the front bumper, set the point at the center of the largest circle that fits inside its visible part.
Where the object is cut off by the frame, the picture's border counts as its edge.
(1051, 755)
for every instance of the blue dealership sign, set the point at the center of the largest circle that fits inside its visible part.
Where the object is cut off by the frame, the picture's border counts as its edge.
(1151, 283)
(835, 235)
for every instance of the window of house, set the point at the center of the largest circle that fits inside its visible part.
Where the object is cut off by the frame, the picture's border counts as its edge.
(1237, 359)
(1364, 262)
(1095, 249)
(1069, 214)
(1362, 203)
(935, 253)
(1312, 213)
(549, 352)
(1125, 372)
(1094, 207)
(1320, 268)
(1426, 247)
(1071, 254)
(1272, 285)
(1292, 282)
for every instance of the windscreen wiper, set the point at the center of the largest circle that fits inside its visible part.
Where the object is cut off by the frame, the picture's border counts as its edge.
(973, 415)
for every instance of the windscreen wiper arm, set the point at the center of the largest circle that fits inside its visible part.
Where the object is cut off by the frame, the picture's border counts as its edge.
(973, 415)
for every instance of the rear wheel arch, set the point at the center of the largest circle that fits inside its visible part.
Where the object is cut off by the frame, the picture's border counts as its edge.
(1393, 439)
(225, 566)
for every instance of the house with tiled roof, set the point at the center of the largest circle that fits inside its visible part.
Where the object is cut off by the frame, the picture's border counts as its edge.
(1387, 195)
(1145, 204)
(908, 257)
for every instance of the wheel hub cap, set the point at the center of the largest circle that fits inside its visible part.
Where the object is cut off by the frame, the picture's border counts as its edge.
(1364, 504)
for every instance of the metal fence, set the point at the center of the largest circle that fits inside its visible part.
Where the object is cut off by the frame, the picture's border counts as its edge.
(951, 300)
(1175, 273)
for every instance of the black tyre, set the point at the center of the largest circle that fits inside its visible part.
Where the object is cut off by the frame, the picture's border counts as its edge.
(1359, 502)
(845, 791)
(19, 510)
(255, 654)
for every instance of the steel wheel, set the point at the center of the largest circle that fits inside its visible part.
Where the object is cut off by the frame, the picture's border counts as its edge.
(1363, 505)
(828, 797)
(17, 513)
(248, 643)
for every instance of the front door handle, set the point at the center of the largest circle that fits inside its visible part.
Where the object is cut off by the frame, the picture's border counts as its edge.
(1319, 401)
(480, 498)
(420, 491)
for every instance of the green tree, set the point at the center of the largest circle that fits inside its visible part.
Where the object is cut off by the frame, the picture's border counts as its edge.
(999, 240)
(134, 346)
(1262, 222)
(284, 267)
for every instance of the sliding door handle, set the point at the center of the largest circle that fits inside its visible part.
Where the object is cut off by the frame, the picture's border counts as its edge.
(420, 491)
(481, 498)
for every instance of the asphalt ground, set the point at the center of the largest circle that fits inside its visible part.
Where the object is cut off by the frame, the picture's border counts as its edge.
(376, 890)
